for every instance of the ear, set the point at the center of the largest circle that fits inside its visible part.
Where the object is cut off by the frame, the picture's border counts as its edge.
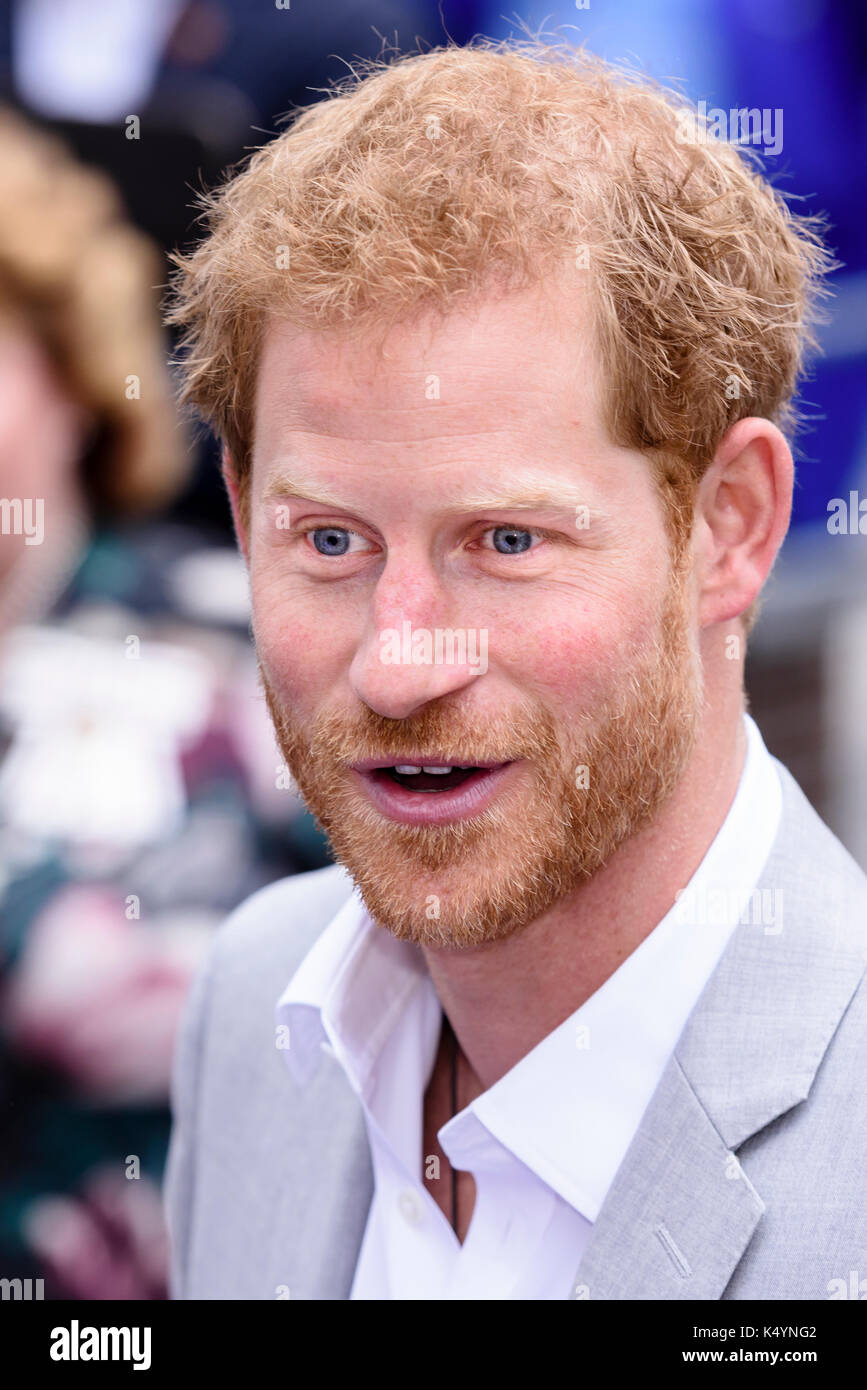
(743, 507)
(230, 478)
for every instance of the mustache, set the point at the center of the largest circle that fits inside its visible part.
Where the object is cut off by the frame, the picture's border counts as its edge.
(527, 731)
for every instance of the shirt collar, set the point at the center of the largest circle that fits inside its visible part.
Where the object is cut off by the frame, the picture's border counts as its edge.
(347, 994)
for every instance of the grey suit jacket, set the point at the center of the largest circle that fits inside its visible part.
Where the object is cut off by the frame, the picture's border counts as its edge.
(268, 1184)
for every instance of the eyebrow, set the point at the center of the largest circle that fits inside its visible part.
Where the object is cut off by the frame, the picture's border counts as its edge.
(283, 486)
(528, 492)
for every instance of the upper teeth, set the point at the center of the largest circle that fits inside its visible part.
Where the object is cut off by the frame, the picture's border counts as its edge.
(409, 769)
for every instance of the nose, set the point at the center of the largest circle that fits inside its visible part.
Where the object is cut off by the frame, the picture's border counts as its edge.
(412, 651)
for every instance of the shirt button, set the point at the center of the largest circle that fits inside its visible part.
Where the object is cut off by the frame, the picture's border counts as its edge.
(410, 1207)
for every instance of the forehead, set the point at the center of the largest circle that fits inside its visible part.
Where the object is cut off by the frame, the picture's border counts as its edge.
(520, 361)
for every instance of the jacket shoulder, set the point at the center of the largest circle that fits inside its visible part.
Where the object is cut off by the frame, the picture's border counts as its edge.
(826, 883)
(272, 931)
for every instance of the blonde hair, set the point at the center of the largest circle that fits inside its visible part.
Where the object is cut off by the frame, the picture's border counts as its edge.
(426, 178)
(84, 282)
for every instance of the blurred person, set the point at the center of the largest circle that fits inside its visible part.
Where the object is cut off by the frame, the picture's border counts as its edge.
(87, 424)
(128, 742)
(503, 348)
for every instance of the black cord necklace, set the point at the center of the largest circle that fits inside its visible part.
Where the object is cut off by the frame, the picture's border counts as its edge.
(454, 1056)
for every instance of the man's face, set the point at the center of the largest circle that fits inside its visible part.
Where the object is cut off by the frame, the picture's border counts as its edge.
(453, 567)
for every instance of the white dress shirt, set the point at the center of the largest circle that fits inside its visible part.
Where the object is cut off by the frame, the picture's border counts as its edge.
(545, 1141)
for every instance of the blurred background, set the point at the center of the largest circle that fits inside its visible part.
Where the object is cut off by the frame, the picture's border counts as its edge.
(141, 793)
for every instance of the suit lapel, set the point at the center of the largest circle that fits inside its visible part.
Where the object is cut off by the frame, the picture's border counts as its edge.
(681, 1211)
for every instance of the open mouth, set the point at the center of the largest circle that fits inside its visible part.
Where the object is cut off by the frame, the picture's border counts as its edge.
(427, 779)
(422, 792)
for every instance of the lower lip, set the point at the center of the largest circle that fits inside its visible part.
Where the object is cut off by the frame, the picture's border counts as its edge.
(435, 808)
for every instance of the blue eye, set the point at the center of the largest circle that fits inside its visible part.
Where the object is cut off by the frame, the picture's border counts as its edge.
(331, 540)
(509, 540)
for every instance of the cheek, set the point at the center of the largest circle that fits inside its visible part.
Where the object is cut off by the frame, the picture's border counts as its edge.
(567, 658)
(564, 661)
(300, 653)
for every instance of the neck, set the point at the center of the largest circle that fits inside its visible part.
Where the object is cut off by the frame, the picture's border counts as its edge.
(505, 997)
